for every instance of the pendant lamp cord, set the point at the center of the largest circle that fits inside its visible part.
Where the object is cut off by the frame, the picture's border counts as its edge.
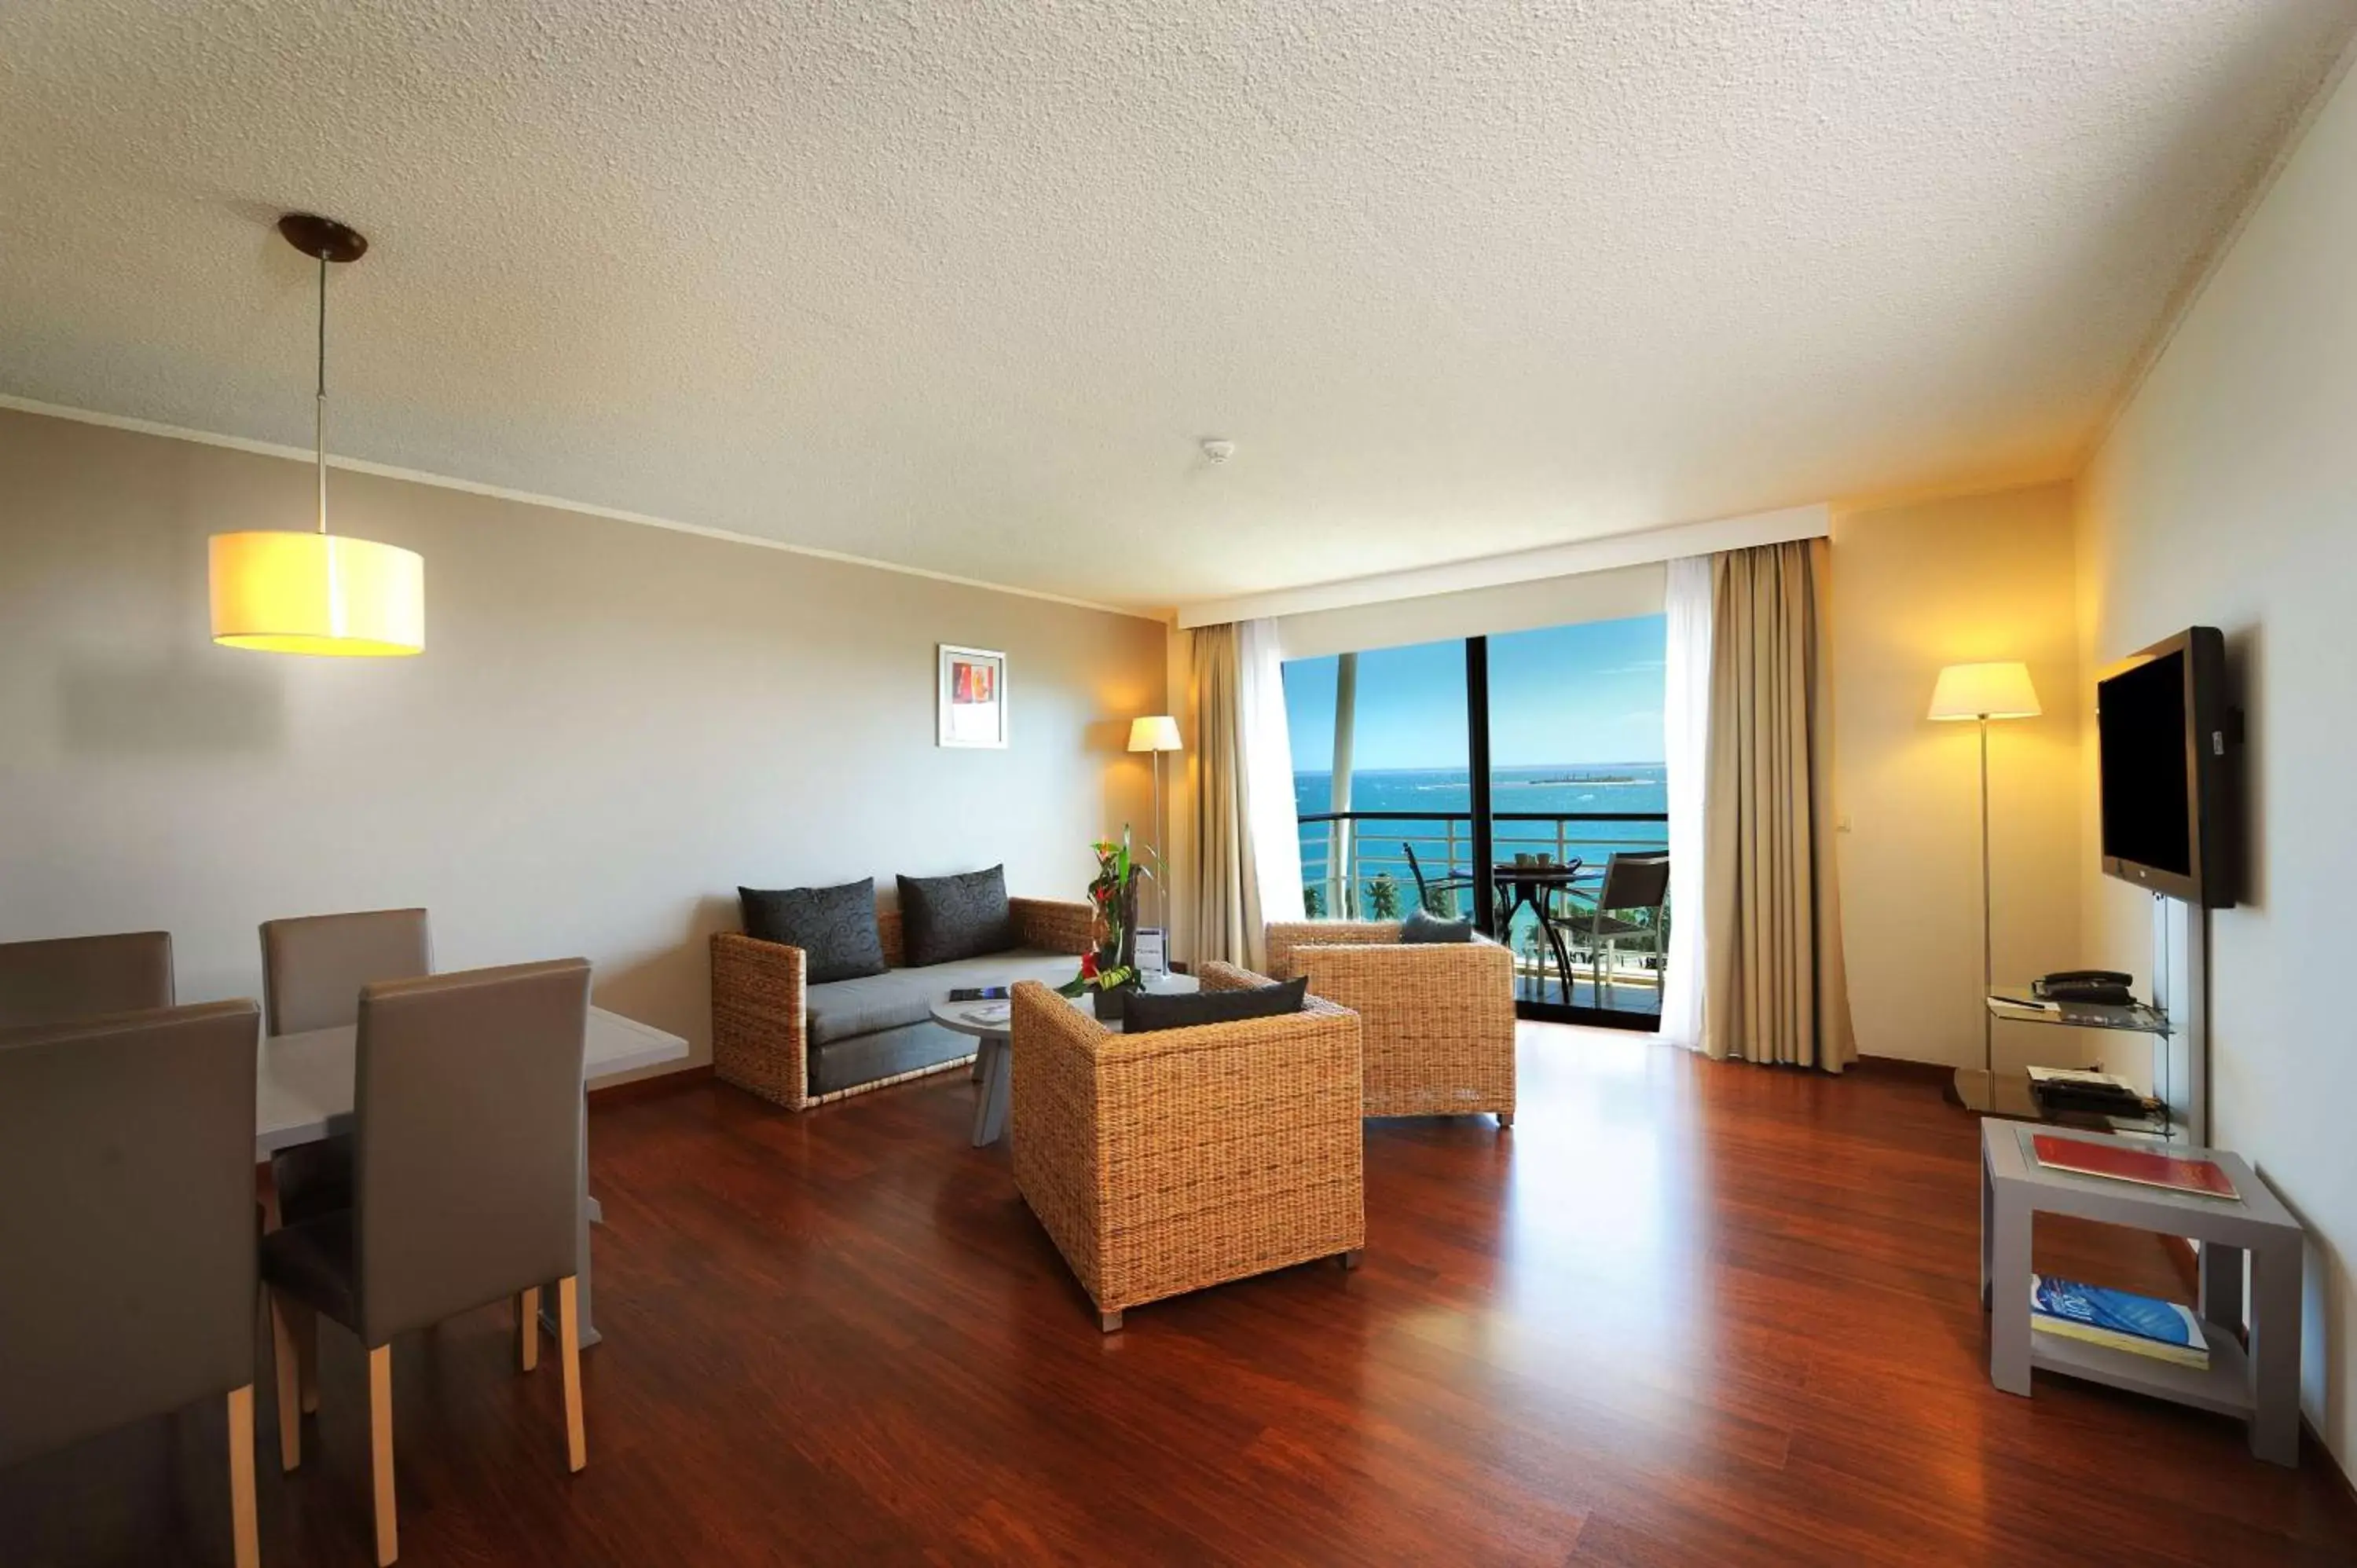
(321, 408)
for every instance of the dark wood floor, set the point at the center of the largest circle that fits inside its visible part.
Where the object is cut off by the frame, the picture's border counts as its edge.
(1682, 1313)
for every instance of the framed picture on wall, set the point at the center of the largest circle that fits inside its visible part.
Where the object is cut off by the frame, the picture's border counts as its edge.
(974, 697)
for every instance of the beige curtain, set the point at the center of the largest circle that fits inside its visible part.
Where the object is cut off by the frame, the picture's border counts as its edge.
(1775, 990)
(1224, 884)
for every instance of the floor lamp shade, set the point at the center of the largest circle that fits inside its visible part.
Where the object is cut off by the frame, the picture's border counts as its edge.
(2000, 691)
(1155, 732)
(286, 592)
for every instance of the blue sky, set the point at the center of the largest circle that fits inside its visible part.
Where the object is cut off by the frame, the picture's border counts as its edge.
(1584, 694)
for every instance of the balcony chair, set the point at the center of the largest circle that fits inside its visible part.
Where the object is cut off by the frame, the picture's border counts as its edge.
(1632, 883)
(1443, 887)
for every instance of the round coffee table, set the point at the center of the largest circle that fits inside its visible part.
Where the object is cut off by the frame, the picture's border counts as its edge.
(991, 1024)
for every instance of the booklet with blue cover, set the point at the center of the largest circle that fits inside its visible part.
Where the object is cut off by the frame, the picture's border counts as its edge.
(2120, 1319)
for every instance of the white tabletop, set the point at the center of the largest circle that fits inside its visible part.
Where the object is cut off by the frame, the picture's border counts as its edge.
(995, 1020)
(303, 1090)
(980, 1019)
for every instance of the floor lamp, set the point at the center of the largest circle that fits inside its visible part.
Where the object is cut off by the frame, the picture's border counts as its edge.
(1982, 692)
(1157, 733)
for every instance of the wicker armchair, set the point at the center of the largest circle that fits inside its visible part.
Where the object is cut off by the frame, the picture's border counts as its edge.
(1437, 1019)
(760, 1032)
(1164, 1162)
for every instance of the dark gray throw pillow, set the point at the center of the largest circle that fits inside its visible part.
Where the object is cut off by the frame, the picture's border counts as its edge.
(1143, 1012)
(835, 927)
(1424, 927)
(943, 918)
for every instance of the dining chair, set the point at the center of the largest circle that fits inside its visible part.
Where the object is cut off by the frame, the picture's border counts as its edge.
(126, 1162)
(467, 1145)
(312, 971)
(66, 978)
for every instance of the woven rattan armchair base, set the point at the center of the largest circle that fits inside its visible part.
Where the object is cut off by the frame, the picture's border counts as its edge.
(1437, 1018)
(1167, 1162)
(760, 1031)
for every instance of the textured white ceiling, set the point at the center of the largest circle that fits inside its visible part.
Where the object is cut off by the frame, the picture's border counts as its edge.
(960, 283)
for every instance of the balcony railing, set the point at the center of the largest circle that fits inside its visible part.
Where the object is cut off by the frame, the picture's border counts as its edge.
(1355, 865)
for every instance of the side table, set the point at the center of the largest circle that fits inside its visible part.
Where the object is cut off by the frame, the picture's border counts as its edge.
(991, 1024)
(2260, 1386)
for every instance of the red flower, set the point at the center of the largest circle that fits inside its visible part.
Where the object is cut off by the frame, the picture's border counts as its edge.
(1088, 966)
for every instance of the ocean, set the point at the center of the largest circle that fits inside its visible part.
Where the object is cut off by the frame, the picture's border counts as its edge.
(1607, 788)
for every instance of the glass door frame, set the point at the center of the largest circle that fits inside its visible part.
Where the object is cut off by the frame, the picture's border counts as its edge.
(1485, 870)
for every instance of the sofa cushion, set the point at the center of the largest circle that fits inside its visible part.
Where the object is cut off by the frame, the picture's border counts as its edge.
(314, 1262)
(944, 918)
(1143, 1012)
(888, 1053)
(835, 927)
(1420, 927)
(847, 1009)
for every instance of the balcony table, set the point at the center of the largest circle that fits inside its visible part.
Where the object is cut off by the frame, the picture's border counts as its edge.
(1536, 885)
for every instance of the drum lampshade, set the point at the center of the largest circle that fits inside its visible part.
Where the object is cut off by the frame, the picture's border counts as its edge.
(287, 592)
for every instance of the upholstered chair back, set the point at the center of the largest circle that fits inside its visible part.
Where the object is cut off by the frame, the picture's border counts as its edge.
(67, 978)
(126, 1220)
(466, 1139)
(313, 967)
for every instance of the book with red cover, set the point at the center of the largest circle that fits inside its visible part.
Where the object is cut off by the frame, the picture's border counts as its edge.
(2126, 1161)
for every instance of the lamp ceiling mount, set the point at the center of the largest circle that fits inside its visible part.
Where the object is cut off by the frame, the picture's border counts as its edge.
(323, 238)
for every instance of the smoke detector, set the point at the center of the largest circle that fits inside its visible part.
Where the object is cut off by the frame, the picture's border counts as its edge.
(1219, 451)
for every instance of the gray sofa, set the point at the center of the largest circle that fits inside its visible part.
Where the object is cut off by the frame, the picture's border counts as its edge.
(800, 1044)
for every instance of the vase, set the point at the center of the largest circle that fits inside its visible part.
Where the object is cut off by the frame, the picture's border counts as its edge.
(1126, 957)
(1106, 1002)
(1118, 948)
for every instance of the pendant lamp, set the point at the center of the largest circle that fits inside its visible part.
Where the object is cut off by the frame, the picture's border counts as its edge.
(281, 591)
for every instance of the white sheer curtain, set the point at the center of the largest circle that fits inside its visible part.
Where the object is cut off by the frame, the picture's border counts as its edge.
(1268, 776)
(1685, 720)
(1246, 847)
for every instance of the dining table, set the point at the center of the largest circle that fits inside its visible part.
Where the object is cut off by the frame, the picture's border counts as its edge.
(303, 1092)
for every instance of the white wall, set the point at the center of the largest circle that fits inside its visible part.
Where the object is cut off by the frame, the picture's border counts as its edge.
(1915, 587)
(611, 728)
(2227, 495)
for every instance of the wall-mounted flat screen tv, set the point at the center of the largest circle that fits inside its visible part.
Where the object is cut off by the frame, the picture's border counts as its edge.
(2162, 734)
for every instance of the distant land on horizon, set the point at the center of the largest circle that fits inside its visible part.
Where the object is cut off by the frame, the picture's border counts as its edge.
(1556, 772)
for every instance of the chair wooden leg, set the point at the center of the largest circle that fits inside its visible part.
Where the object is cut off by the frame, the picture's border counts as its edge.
(243, 1531)
(388, 1532)
(306, 1358)
(1505, 1118)
(568, 1336)
(286, 1362)
(1108, 1322)
(528, 1328)
(1351, 1259)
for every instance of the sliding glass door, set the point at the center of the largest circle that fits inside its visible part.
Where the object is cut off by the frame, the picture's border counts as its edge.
(1579, 805)
(1513, 780)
